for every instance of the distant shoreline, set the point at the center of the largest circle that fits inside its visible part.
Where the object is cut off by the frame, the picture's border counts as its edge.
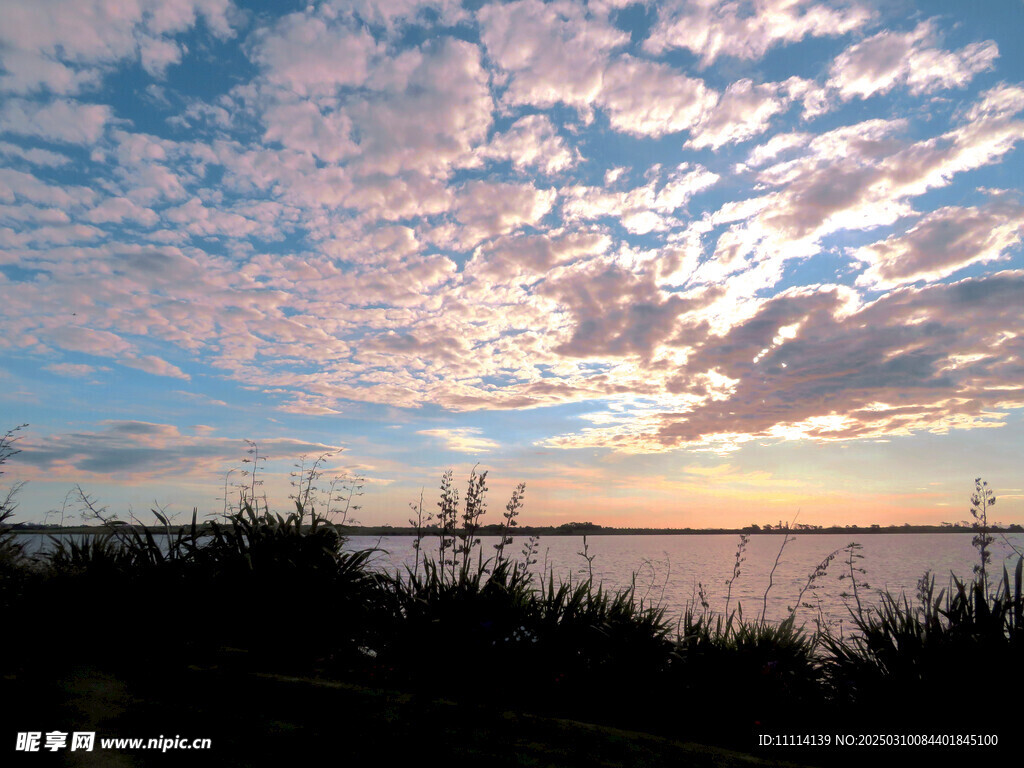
(563, 530)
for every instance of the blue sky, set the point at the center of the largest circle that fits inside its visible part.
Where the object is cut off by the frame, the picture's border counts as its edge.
(670, 263)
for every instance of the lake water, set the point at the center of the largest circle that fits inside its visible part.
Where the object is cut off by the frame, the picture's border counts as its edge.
(670, 569)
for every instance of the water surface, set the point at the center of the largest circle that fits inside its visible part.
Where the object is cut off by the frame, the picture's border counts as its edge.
(670, 569)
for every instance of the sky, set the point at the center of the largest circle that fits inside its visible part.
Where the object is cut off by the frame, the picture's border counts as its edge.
(688, 263)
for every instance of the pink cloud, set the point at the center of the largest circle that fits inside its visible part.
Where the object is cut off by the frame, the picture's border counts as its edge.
(154, 365)
(118, 209)
(61, 120)
(73, 370)
(555, 52)
(64, 45)
(92, 342)
(313, 56)
(943, 242)
(941, 358)
(747, 29)
(42, 157)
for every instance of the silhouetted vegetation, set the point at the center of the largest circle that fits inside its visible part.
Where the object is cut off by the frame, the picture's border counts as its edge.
(286, 594)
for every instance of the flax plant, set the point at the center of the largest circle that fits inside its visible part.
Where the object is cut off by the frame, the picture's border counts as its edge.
(446, 517)
(741, 550)
(417, 545)
(982, 500)
(475, 508)
(813, 583)
(509, 521)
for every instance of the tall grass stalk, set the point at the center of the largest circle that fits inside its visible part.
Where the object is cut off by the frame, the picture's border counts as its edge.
(786, 539)
(589, 558)
(418, 525)
(475, 508)
(509, 521)
(741, 550)
(982, 500)
(814, 582)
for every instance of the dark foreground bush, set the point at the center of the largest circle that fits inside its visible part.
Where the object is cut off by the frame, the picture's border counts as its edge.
(283, 588)
(501, 637)
(954, 659)
(744, 676)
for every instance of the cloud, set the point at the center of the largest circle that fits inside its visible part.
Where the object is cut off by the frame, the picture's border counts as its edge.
(643, 209)
(61, 120)
(744, 111)
(462, 440)
(554, 52)
(486, 209)
(198, 219)
(776, 145)
(889, 59)
(19, 186)
(43, 157)
(442, 112)
(92, 342)
(383, 206)
(563, 53)
(615, 312)
(200, 399)
(646, 98)
(312, 56)
(132, 452)
(863, 176)
(118, 209)
(531, 257)
(154, 365)
(73, 370)
(65, 45)
(532, 142)
(940, 358)
(747, 29)
(942, 243)
(300, 125)
(394, 14)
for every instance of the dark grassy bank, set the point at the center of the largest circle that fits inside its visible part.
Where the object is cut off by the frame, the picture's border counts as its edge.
(256, 719)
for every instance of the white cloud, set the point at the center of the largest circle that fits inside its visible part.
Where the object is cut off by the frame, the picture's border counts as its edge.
(642, 209)
(462, 439)
(747, 29)
(554, 52)
(532, 142)
(744, 111)
(430, 119)
(647, 98)
(485, 209)
(888, 59)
